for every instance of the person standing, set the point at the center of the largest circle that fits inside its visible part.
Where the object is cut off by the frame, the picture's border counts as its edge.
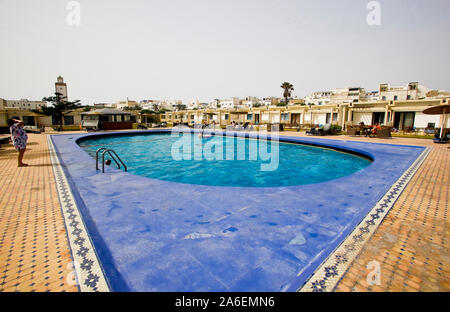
(19, 138)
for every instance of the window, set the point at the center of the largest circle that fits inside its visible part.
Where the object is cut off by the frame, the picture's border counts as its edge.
(383, 98)
(68, 120)
(108, 118)
(285, 116)
(249, 116)
(335, 116)
(395, 98)
(226, 116)
(28, 120)
(90, 117)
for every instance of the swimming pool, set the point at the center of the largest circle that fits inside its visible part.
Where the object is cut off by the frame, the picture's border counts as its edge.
(151, 234)
(227, 161)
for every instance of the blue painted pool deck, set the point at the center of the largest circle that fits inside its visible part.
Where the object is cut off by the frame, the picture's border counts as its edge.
(153, 235)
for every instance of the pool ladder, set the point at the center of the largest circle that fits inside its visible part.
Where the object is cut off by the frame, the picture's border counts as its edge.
(113, 155)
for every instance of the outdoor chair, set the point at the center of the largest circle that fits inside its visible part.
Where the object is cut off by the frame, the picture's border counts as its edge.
(353, 131)
(384, 133)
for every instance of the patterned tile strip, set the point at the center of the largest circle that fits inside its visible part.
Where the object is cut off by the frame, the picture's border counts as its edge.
(331, 271)
(88, 270)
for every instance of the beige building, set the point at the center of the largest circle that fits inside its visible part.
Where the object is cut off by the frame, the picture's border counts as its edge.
(403, 115)
(22, 104)
(34, 120)
(124, 104)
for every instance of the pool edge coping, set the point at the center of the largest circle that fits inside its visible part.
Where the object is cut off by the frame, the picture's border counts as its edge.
(89, 273)
(332, 270)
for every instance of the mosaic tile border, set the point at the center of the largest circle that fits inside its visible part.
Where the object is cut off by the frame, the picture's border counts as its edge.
(88, 270)
(332, 270)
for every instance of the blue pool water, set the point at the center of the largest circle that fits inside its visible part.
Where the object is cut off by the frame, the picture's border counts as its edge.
(227, 161)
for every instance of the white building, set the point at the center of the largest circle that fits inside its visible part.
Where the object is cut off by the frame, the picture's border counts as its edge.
(230, 103)
(214, 104)
(194, 104)
(412, 91)
(149, 104)
(168, 105)
(336, 96)
(24, 104)
(373, 96)
(124, 104)
(348, 95)
(318, 98)
(250, 101)
(270, 101)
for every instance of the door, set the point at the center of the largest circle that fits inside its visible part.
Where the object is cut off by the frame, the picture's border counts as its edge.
(378, 118)
(295, 119)
(404, 121)
(408, 120)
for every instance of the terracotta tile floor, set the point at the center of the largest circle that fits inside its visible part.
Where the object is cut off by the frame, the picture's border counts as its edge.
(34, 251)
(410, 245)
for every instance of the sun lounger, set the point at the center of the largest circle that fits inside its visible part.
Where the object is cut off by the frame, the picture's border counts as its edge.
(326, 130)
(90, 125)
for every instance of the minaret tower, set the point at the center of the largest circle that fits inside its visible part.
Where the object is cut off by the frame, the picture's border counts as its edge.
(61, 87)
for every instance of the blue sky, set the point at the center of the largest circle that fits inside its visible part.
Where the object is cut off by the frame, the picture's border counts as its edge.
(206, 49)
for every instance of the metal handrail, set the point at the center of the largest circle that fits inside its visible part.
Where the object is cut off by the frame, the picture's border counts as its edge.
(96, 156)
(113, 155)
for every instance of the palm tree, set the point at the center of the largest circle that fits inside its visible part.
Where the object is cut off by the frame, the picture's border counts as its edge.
(288, 88)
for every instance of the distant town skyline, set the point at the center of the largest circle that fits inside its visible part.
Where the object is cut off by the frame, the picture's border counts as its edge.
(179, 50)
